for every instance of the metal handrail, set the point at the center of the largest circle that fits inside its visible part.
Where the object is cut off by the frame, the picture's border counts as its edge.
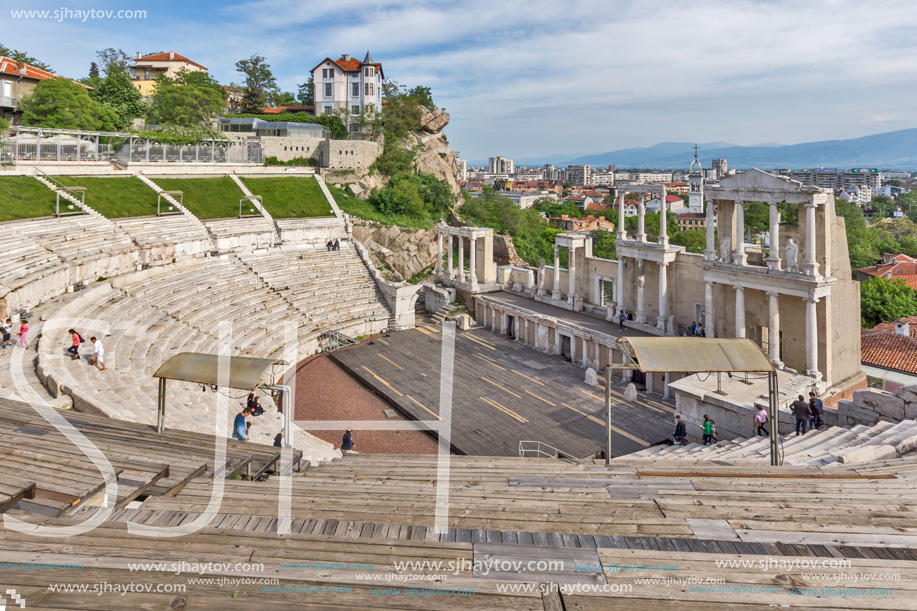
(542, 449)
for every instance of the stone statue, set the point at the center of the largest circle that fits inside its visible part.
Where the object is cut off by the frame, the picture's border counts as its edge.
(725, 249)
(577, 303)
(792, 252)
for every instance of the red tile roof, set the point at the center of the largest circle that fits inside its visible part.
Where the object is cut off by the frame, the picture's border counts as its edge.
(903, 267)
(166, 57)
(9, 66)
(276, 110)
(671, 199)
(598, 206)
(889, 351)
(351, 65)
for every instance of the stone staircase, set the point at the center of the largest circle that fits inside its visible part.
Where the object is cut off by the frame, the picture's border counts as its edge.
(174, 202)
(258, 205)
(443, 313)
(829, 446)
(67, 195)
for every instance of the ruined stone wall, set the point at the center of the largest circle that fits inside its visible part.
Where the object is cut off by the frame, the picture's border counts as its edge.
(286, 149)
(350, 154)
(407, 252)
(505, 252)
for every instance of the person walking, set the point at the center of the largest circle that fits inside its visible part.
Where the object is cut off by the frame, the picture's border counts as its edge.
(98, 353)
(817, 408)
(6, 329)
(77, 339)
(347, 444)
(680, 432)
(760, 421)
(708, 430)
(801, 410)
(23, 333)
(714, 436)
(621, 320)
(239, 425)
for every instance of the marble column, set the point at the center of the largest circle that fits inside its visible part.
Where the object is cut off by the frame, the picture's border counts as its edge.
(709, 323)
(773, 259)
(622, 234)
(619, 288)
(812, 337)
(555, 293)
(665, 386)
(740, 311)
(739, 257)
(663, 229)
(641, 221)
(439, 253)
(461, 259)
(773, 330)
(710, 250)
(472, 273)
(663, 297)
(810, 267)
(640, 314)
(571, 272)
(450, 273)
(584, 357)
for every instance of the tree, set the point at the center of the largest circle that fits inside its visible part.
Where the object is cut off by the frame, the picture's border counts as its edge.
(188, 100)
(306, 92)
(4, 124)
(285, 98)
(423, 96)
(694, 240)
(22, 56)
(112, 58)
(882, 206)
(400, 116)
(884, 300)
(60, 103)
(757, 217)
(118, 93)
(93, 70)
(603, 244)
(260, 88)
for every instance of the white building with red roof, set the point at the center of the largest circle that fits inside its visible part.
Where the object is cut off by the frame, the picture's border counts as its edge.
(347, 83)
(147, 67)
(892, 267)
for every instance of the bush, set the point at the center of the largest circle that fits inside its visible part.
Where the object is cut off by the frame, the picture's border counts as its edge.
(296, 161)
(413, 194)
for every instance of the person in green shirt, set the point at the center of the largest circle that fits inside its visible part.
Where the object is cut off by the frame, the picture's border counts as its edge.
(708, 430)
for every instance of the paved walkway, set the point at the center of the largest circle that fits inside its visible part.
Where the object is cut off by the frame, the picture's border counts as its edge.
(575, 318)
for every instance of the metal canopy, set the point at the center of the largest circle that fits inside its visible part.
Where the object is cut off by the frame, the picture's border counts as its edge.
(695, 354)
(244, 372)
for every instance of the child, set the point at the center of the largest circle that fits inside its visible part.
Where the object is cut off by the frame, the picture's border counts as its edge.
(23, 331)
(7, 329)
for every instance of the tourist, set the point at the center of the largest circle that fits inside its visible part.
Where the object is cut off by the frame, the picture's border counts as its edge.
(760, 421)
(7, 330)
(329, 245)
(98, 353)
(278, 440)
(256, 408)
(801, 410)
(693, 330)
(714, 435)
(337, 245)
(23, 332)
(248, 429)
(817, 408)
(250, 401)
(621, 319)
(77, 339)
(708, 430)
(699, 330)
(240, 426)
(347, 443)
(679, 434)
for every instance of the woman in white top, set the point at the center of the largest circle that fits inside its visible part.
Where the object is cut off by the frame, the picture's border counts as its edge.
(760, 421)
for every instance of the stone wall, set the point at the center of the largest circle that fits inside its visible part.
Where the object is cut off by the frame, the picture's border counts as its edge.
(349, 154)
(871, 405)
(286, 149)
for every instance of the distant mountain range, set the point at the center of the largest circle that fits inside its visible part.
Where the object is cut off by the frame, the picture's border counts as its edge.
(891, 150)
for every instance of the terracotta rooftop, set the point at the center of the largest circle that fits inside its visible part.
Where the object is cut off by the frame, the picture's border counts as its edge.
(882, 347)
(171, 56)
(9, 66)
(350, 65)
(901, 266)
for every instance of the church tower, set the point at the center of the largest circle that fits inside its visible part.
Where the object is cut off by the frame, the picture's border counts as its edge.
(696, 186)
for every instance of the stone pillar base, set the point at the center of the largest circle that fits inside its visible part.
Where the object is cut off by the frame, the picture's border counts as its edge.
(640, 318)
(555, 295)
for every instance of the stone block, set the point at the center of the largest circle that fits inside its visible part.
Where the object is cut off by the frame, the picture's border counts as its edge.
(907, 393)
(883, 403)
(630, 393)
(910, 411)
(592, 377)
(868, 454)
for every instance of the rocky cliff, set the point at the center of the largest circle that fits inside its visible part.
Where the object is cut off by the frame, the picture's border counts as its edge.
(402, 253)
(435, 156)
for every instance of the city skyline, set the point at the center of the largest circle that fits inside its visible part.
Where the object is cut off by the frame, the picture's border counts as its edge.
(537, 78)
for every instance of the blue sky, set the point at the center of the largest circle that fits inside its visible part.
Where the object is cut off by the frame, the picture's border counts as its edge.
(533, 78)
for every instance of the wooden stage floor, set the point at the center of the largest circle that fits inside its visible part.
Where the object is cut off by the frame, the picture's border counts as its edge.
(504, 392)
